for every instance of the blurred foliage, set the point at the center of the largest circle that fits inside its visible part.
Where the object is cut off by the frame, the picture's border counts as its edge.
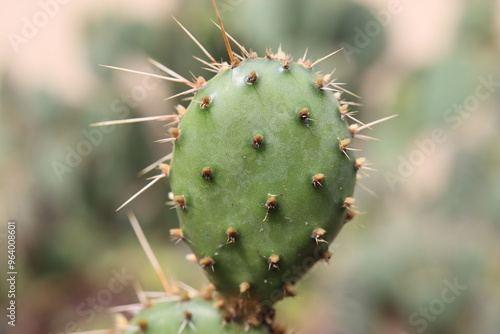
(440, 223)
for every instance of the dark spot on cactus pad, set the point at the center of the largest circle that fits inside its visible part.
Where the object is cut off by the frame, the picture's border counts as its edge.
(175, 132)
(205, 101)
(273, 262)
(231, 235)
(271, 204)
(319, 83)
(181, 201)
(207, 173)
(304, 116)
(318, 234)
(252, 77)
(317, 180)
(206, 262)
(257, 140)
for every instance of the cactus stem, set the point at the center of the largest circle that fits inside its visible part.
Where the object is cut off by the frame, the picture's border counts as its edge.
(206, 262)
(252, 77)
(273, 262)
(207, 173)
(231, 235)
(271, 204)
(257, 140)
(317, 180)
(318, 234)
(304, 116)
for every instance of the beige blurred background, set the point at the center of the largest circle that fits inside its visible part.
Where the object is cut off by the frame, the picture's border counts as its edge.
(425, 258)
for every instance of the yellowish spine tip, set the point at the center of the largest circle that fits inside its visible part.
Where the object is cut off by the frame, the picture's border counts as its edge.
(206, 262)
(273, 261)
(231, 235)
(317, 180)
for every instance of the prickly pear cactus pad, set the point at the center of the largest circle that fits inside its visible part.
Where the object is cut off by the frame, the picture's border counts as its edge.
(193, 316)
(260, 174)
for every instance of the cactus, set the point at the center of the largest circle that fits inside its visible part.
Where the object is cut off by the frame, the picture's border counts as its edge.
(262, 176)
(187, 316)
(260, 173)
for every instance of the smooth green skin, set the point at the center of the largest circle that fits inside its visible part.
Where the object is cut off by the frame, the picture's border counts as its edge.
(220, 136)
(167, 318)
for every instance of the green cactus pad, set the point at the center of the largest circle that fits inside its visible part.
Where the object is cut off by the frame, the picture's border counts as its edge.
(262, 166)
(194, 316)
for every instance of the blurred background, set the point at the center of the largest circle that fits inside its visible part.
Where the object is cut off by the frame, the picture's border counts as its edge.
(425, 258)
